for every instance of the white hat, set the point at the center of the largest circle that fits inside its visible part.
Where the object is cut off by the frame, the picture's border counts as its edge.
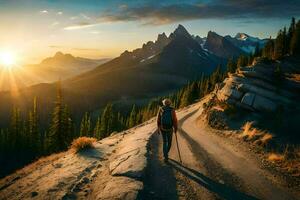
(167, 102)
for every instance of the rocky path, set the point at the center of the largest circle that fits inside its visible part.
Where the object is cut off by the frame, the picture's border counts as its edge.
(212, 168)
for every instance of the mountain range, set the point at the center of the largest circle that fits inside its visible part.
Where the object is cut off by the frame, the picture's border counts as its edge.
(156, 68)
(59, 66)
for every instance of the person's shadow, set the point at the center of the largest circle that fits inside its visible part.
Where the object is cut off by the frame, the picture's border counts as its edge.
(222, 190)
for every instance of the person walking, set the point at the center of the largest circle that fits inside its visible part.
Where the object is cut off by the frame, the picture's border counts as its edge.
(166, 124)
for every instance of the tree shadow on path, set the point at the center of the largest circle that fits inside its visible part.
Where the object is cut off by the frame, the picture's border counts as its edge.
(219, 189)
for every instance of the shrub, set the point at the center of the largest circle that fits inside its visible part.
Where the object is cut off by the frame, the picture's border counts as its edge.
(82, 143)
(248, 130)
(260, 137)
(275, 157)
(247, 126)
(265, 139)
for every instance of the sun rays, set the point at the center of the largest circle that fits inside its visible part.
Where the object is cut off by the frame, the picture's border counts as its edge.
(7, 59)
(15, 77)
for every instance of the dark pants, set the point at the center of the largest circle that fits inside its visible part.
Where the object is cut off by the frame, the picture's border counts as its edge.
(167, 142)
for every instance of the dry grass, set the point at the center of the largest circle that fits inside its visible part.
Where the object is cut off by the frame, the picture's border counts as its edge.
(82, 143)
(275, 157)
(259, 137)
(288, 161)
(247, 127)
(292, 166)
(249, 132)
(265, 139)
(219, 108)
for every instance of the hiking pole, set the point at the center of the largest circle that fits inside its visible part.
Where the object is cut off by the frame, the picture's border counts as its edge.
(178, 148)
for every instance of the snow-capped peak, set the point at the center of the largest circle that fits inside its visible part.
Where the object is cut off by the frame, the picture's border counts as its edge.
(242, 36)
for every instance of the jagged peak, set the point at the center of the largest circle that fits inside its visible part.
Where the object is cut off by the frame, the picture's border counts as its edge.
(162, 36)
(181, 31)
(212, 33)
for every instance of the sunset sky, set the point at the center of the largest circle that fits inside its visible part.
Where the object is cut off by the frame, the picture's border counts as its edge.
(97, 29)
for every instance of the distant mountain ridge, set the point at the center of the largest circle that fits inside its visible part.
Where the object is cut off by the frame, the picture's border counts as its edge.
(68, 60)
(227, 46)
(51, 69)
(220, 46)
(177, 55)
(246, 43)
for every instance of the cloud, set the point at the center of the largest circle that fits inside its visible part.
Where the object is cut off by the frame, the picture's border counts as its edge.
(156, 14)
(94, 32)
(123, 6)
(80, 25)
(54, 24)
(82, 16)
(44, 11)
(85, 16)
(59, 13)
(73, 17)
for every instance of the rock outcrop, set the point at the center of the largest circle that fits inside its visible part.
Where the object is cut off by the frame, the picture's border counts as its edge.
(259, 87)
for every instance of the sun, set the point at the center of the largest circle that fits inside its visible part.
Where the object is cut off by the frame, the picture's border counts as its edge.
(7, 59)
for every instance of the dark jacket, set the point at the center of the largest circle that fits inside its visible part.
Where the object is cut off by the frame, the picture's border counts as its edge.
(174, 119)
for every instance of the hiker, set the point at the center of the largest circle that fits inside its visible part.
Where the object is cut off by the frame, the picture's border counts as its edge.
(167, 124)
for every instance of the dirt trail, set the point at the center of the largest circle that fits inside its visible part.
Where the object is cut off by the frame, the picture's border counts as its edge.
(212, 168)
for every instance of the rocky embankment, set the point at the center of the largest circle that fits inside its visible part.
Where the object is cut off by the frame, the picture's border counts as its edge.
(261, 87)
(112, 170)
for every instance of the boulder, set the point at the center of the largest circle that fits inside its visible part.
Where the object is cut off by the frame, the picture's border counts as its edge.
(263, 104)
(244, 106)
(263, 92)
(248, 99)
(229, 91)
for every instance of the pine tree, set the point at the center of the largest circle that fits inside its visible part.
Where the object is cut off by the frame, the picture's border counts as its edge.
(15, 130)
(85, 127)
(97, 129)
(216, 76)
(33, 133)
(231, 65)
(290, 33)
(242, 61)
(133, 117)
(106, 121)
(3, 143)
(268, 50)
(279, 45)
(68, 126)
(295, 41)
(285, 42)
(57, 140)
(186, 97)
